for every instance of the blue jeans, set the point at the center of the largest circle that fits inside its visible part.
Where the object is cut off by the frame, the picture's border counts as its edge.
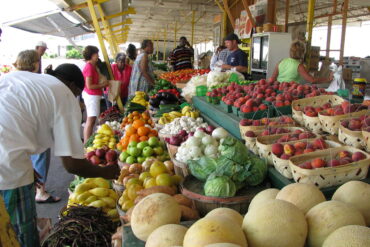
(41, 163)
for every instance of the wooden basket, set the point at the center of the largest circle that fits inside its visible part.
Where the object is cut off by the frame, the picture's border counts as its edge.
(366, 136)
(313, 124)
(244, 129)
(172, 150)
(350, 137)
(193, 189)
(329, 176)
(264, 145)
(282, 166)
(331, 124)
(315, 102)
(180, 168)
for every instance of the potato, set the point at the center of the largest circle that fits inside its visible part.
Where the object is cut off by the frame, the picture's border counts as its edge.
(183, 200)
(188, 213)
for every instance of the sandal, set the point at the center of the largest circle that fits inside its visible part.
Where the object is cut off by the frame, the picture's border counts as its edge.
(51, 199)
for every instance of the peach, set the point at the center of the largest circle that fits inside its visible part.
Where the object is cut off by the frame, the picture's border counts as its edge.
(256, 123)
(338, 112)
(345, 105)
(250, 133)
(356, 156)
(333, 163)
(320, 143)
(344, 154)
(298, 152)
(345, 123)
(300, 145)
(297, 132)
(304, 135)
(345, 160)
(285, 156)
(277, 149)
(318, 163)
(308, 150)
(355, 124)
(289, 149)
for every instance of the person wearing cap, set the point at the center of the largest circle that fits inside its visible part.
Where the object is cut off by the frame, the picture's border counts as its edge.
(122, 72)
(39, 111)
(237, 59)
(181, 56)
(40, 49)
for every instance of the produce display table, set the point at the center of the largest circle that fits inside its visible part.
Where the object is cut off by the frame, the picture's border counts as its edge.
(228, 121)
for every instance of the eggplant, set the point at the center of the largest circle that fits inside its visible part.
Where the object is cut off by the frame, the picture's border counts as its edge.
(166, 102)
(154, 102)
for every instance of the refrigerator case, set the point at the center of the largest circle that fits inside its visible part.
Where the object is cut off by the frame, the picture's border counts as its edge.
(268, 49)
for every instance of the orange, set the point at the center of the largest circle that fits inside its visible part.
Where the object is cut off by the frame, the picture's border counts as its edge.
(136, 117)
(154, 132)
(134, 137)
(143, 131)
(130, 131)
(125, 143)
(135, 113)
(138, 123)
(143, 138)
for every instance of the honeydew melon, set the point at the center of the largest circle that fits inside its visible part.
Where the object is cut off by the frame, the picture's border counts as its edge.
(349, 236)
(227, 212)
(262, 196)
(166, 236)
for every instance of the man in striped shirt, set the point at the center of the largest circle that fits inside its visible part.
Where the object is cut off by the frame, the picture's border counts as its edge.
(182, 55)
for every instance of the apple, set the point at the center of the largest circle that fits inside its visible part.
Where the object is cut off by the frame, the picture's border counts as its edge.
(142, 145)
(153, 141)
(100, 152)
(111, 155)
(132, 144)
(148, 151)
(90, 154)
(130, 160)
(158, 150)
(95, 160)
(141, 159)
(134, 151)
(123, 156)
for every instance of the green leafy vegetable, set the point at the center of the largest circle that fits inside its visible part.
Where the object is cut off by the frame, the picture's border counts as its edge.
(202, 168)
(258, 171)
(219, 186)
(234, 149)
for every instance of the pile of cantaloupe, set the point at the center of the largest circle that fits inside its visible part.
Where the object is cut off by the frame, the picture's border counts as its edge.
(296, 216)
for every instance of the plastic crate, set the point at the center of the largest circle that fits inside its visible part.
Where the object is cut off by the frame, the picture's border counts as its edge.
(225, 107)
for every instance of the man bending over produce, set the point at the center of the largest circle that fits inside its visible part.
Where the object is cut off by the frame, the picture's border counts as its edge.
(39, 112)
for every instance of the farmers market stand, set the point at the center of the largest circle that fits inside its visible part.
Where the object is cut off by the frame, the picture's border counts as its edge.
(215, 115)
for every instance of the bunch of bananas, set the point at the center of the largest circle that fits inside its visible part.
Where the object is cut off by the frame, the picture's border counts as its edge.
(169, 117)
(189, 112)
(139, 98)
(103, 138)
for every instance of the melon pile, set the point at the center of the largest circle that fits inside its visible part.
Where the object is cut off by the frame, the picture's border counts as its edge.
(296, 216)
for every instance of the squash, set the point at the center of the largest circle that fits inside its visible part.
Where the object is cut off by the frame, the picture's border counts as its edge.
(304, 196)
(211, 229)
(152, 212)
(222, 245)
(326, 217)
(263, 196)
(348, 236)
(357, 194)
(227, 212)
(275, 223)
(166, 236)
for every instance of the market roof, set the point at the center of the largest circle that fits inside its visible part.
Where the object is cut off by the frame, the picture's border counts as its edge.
(51, 23)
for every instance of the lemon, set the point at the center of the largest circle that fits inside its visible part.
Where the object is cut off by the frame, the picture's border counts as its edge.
(132, 191)
(157, 168)
(163, 180)
(144, 175)
(133, 181)
(150, 183)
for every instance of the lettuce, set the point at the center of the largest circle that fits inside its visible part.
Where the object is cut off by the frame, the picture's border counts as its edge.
(202, 167)
(219, 187)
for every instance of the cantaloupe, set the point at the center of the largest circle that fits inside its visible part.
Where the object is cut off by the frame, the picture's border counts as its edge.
(222, 245)
(275, 223)
(357, 194)
(166, 236)
(152, 212)
(349, 236)
(326, 217)
(227, 212)
(262, 196)
(211, 230)
(304, 196)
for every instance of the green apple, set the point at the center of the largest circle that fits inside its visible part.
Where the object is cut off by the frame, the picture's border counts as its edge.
(148, 151)
(153, 141)
(132, 144)
(134, 151)
(158, 150)
(123, 156)
(142, 145)
(140, 159)
(130, 160)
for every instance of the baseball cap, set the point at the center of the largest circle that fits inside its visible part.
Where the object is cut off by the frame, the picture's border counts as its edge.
(233, 36)
(42, 44)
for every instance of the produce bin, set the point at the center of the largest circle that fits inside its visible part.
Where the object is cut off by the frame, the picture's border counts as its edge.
(225, 107)
(235, 110)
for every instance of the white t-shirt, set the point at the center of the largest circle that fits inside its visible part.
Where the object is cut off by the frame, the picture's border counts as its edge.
(36, 112)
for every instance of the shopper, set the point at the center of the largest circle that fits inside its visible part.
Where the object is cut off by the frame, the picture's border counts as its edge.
(92, 92)
(292, 68)
(182, 55)
(40, 49)
(131, 54)
(142, 77)
(39, 112)
(122, 72)
(237, 59)
(219, 56)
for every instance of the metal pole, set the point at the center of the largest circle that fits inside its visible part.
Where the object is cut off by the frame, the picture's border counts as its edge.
(310, 17)
(328, 36)
(344, 26)
(192, 26)
(157, 49)
(287, 3)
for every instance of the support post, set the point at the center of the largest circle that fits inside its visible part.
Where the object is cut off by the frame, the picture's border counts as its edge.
(287, 4)
(192, 26)
(227, 10)
(112, 46)
(310, 17)
(157, 49)
(328, 36)
(175, 41)
(250, 16)
(165, 44)
(344, 27)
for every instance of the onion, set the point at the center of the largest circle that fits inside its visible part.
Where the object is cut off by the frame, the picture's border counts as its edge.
(182, 133)
(202, 129)
(210, 129)
(175, 140)
(191, 133)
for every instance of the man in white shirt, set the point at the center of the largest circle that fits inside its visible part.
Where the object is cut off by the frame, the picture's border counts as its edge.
(38, 112)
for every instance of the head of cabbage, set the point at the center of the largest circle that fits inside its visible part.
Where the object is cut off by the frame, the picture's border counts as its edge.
(219, 186)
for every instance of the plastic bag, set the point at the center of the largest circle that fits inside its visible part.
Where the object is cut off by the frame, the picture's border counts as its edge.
(114, 90)
(338, 82)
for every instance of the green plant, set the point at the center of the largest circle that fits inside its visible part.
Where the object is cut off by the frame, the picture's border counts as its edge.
(74, 53)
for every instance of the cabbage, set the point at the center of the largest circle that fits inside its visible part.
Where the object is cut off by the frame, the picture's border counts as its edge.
(202, 168)
(220, 186)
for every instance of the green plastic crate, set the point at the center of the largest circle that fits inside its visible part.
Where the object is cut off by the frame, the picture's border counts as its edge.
(269, 113)
(235, 110)
(226, 108)
(284, 110)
